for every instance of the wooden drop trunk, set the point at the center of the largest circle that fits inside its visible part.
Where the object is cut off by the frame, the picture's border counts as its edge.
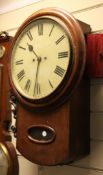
(70, 130)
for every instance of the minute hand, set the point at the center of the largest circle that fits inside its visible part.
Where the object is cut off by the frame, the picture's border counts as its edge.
(39, 60)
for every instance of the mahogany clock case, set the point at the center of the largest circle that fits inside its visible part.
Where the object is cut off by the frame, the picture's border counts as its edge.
(67, 130)
(56, 130)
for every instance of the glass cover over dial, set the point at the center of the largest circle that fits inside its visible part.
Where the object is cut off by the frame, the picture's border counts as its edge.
(40, 58)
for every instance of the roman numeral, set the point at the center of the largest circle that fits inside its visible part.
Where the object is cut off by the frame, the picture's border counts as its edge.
(37, 89)
(21, 75)
(40, 29)
(60, 39)
(51, 30)
(19, 62)
(63, 54)
(22, 47)
(28, 84)
(29, 35)
(50, 83)
(59, 71)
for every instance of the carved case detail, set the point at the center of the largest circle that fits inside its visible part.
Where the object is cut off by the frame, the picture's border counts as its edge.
(7, 149)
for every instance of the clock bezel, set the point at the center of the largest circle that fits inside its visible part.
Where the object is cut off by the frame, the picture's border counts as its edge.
(70, 62)
(76, 69)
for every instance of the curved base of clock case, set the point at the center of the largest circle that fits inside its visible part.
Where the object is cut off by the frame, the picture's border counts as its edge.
(70, 123)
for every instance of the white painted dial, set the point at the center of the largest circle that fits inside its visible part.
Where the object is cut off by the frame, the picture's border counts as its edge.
(40, 58)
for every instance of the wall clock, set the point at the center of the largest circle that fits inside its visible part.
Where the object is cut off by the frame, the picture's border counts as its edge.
(47, 61)
(8, 157)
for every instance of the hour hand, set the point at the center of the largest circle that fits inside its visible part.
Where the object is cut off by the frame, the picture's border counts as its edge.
(30, 47)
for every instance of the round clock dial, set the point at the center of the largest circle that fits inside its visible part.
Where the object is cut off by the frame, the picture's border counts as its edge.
(47, 59)
(40, 58)
(2, 51)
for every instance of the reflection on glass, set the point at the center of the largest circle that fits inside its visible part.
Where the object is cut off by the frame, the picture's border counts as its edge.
(3, 160)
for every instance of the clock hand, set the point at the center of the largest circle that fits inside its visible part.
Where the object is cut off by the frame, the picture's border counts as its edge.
(30, 47)
(39, 60)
